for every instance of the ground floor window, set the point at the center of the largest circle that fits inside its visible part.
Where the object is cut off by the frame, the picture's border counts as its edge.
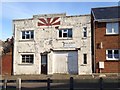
(112, 54)
(29, 58)
(84, 58)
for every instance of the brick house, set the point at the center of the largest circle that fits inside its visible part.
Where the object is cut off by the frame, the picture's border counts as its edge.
(52, 43)
(105, 23)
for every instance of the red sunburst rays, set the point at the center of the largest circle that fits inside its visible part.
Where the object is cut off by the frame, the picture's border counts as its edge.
(49, 21)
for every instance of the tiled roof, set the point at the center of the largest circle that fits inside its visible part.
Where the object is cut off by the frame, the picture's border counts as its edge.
(106, 12)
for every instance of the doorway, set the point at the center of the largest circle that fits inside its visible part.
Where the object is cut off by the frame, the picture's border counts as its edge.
(44, 64)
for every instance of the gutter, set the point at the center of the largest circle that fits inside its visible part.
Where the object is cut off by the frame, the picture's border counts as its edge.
(107, 20)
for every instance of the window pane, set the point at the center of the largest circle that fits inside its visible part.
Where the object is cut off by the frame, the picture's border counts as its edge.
(64, 34)
(84, 28)
(65, 31)
(28, 36)
(23, 60)
(23, 34)
(31, 56)
(27, 59)
(60, 33)
(85, 58)
(43, 61)
(109, 51)
(23, 37)
(110, 54)
(31, 60)
(85, 34)
(84, 31)
(115, 27)
(27, 32)
(69, 32)
(116, 54)
(109, 27)
(32, 34)
(23, 56)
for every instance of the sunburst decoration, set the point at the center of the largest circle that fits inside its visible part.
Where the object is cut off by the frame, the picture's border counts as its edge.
(49, 21)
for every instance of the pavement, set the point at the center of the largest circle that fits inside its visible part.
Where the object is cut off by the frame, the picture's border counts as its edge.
(62, 76)
(82, 82)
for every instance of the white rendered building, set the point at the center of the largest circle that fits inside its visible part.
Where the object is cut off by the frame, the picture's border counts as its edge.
(52, 43)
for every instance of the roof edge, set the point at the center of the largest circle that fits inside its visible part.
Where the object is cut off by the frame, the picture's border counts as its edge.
(105, 7)
(108, 20)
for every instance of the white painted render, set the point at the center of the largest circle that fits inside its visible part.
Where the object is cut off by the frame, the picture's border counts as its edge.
(46, 40)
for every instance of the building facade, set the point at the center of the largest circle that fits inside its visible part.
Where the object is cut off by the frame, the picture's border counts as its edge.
(52, 43)
(105, 24)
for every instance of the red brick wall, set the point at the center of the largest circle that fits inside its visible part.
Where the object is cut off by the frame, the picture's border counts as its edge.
(7, 64)
(109, 42)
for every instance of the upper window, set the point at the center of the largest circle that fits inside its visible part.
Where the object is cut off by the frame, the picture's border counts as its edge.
(112, 28)
(28, 58)
(27, 34)
(84, 31)
(112, 54)
(65, 33)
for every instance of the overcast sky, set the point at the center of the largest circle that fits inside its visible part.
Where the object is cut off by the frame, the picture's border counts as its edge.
(19, 10)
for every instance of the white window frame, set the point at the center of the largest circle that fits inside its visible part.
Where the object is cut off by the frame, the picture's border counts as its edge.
(30, 35)
(112, 27)
(29, 62)
(113, 58)
(67, 32)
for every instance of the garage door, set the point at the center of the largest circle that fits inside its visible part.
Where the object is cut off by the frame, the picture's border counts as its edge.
(65, 62)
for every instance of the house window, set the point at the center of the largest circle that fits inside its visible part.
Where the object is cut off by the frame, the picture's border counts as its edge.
(84, 58)
(112, 28)
(84, 31)
(65, 33)
(28, 58)
(27, 34)
(112, 54)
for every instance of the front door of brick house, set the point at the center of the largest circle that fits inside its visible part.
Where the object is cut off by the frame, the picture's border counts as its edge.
(44, 64)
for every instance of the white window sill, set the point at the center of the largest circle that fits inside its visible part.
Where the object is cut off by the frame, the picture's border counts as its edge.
(64, 38)
(84, 37)
(24, 40)
(112, 59)
(25, 64)
(112, 33)
(83, 65)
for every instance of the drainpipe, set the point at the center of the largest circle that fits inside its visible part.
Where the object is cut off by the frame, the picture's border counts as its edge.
(94, 46)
